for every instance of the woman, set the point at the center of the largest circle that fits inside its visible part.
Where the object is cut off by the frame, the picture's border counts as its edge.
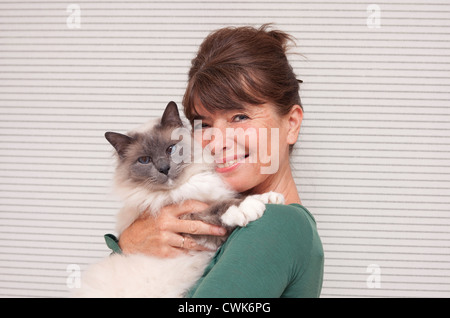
(241, 81)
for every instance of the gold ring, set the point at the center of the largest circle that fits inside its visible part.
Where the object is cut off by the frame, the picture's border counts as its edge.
(182, 242)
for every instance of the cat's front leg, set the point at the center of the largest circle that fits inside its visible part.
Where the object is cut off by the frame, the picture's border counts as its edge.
(270, 197)
(231, 213)
(250, 209)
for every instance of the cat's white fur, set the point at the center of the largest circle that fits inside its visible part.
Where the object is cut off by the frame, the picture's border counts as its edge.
(147, 276)
(197, 187)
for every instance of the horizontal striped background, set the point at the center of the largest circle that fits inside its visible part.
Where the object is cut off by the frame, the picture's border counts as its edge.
(372, 162)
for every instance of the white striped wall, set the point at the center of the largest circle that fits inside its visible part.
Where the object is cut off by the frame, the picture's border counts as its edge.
(372, 162)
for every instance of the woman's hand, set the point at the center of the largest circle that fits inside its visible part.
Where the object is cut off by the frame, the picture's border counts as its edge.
(161, 236)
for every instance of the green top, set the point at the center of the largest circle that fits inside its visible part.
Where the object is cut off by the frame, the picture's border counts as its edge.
(278, 255)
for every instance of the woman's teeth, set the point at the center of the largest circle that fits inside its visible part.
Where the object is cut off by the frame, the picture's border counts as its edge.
(226, 164)
(229, 163)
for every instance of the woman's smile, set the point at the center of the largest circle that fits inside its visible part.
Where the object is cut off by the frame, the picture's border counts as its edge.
(230, 164)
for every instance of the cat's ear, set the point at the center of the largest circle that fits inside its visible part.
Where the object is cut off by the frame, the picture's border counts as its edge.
(119, 142)
(171, 116)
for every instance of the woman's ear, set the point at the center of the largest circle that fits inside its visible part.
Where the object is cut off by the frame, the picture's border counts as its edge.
(295, 117)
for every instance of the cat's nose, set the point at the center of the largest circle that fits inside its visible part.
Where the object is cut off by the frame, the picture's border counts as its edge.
(164, 169)
(162, 165)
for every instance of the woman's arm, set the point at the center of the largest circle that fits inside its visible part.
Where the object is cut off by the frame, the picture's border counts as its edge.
(279, 255)
(161, 235)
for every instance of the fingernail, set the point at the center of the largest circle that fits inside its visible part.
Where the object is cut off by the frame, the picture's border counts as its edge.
(221, 231)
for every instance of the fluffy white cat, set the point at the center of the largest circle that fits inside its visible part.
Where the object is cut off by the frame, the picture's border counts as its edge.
(147, 179)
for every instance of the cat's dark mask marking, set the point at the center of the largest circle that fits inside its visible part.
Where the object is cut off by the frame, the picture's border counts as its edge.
(146, 154)
(119, 142)
(170, 118)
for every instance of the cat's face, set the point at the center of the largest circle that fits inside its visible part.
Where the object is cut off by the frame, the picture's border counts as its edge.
(146, 156)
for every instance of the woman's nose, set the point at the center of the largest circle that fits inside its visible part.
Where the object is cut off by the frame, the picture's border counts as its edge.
(219, 140)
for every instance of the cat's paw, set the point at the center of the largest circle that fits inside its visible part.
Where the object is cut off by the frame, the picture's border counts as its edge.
(249, 210)
(271, 198)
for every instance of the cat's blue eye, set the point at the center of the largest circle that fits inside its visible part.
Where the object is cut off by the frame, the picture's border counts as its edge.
(144, 160)
(171, 149)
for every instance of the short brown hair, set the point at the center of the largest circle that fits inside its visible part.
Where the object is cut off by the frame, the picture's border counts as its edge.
(239, 66)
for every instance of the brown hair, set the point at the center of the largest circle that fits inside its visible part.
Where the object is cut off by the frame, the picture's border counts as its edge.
(241, 66)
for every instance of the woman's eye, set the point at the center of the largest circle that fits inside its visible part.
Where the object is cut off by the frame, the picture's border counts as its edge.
(171, 149)
(240, 117)
(201, 126)
(144, 160)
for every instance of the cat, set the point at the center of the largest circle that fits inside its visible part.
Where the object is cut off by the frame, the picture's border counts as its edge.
(148, 178)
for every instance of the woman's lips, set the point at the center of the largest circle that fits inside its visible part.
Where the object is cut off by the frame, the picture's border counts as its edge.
(229, 165)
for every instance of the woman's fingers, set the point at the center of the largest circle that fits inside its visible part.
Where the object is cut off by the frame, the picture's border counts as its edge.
(168, 223)
(163, 235)
(189, 206)
(181, 242)
(195, 228)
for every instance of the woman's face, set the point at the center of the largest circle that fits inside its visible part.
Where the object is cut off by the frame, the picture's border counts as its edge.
(250, 147)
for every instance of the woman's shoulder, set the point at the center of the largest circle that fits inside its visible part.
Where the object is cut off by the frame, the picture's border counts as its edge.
(285, 217)
(285, 224)
(291, 211)
(284, 238)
